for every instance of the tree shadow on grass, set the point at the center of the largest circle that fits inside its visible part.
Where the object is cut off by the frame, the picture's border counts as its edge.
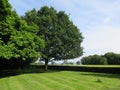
(101, 75)
(15, 72)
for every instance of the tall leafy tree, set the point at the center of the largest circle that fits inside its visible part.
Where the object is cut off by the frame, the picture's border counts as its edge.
(62, 38)
(5, 28)
(18, 41)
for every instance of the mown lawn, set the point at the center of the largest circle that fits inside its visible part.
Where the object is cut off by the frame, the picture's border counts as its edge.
(61, 80)
(113, 66)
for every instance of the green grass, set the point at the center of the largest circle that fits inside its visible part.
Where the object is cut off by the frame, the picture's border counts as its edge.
(116, 66)
(61, 80)
(101, 66)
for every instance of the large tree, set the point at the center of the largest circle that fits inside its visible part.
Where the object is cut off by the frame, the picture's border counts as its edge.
(63, 39)
(18, 41)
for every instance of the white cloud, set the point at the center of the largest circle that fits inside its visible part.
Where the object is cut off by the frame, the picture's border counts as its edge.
(102, 39)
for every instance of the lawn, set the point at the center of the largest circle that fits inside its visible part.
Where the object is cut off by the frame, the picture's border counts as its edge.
(61, 80)
(114, 66)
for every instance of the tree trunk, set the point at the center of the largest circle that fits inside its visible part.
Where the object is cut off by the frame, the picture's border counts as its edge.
(46, 65)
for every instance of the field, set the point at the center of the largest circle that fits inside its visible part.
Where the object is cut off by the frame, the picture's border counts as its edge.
(61, 80)
(114, 66)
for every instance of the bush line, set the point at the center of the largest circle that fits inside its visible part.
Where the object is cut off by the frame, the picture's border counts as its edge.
(112, 70)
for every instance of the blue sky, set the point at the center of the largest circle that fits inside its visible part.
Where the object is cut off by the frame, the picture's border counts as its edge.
(98, 20)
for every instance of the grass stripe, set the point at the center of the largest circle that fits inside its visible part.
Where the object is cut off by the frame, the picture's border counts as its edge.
(36, 82)
(51, 83)
(3, 84)
(67, 81)
(64, 80)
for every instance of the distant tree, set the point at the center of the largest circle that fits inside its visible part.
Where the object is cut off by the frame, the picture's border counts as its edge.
(65, 62)
(52, 62)
(112, 58)
(62, 38)
(94, 60)
(40, 63)
(19, 43)
(71, 63)
(78, 62)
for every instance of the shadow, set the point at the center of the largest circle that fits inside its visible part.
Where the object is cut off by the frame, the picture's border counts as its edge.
(98, 81)
(7, 73)
(15, 72)
(101, 75)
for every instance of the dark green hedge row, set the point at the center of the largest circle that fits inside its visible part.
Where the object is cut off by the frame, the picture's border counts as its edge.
(113, 70)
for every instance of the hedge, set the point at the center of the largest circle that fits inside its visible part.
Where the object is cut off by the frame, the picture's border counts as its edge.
(113, 70)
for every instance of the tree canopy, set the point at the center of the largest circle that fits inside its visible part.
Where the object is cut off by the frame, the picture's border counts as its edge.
(112, 58)
(18, 41)
(62, 38)
(94, 60)
(109, 58)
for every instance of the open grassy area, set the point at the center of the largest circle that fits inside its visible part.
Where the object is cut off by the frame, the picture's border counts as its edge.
(61, 80)
(118, 66)
(101, 66)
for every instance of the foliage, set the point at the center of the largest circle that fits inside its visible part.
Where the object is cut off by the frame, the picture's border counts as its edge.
(65, 62)
(113, 69)
(71, 63)
(62, 38)
(18, 41)
(112, 58)
(109, 58)
(78, 62)
(94, 60)
(53, 62)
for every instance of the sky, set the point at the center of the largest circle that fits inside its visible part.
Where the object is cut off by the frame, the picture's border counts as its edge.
(98, 20)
